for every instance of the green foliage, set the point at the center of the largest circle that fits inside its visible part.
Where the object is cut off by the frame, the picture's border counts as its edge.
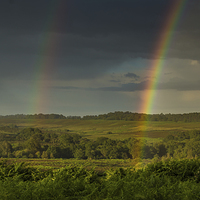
(10, 128)
(62, 142)
(180, 170)
(35, 116)
(21, 171)
(33, 145)
(163, 180)
(128, 116)
(5, 149)
(27, 133)
(118, 115)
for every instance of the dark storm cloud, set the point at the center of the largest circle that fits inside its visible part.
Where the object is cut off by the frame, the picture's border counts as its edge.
(87, 38)
(11, 1)
(132, 75)
(179, 85)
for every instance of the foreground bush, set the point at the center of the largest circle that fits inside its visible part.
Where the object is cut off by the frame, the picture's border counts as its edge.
(163, 180)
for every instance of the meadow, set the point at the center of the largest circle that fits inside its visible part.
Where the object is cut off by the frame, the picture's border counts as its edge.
(119, 129)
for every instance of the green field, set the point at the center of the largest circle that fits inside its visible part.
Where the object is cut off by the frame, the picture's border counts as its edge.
(98, 165)
(92, 129)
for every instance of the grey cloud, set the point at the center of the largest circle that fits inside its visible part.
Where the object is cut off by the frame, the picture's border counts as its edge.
(66, 88)
(81, 17)
(132, 75)
(85, 39)
(180, 85)
(115, 81)
(11, 1)
(75, 58)
(129, 87)
(123, 88)
(125, 27)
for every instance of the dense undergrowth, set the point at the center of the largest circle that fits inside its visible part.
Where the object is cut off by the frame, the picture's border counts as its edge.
(171, 179)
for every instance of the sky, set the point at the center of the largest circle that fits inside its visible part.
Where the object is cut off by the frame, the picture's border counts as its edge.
(76, 57)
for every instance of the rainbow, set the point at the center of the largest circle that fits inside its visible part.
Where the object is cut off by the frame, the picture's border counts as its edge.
(44, 66)
(161, 50)
(160, 53)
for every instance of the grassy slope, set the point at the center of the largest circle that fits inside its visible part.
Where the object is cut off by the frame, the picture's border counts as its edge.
(97, 128)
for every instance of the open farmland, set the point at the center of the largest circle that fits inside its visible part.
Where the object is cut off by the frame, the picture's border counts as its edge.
(114, 129)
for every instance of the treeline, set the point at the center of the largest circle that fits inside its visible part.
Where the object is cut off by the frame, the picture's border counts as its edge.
(34, 143)
(127, 116)
(35, 116)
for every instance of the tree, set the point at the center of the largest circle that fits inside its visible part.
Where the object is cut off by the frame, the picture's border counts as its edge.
(192, 148)
(161, 149)
(79, 154)
(29, 132)
(53, 151)
(45, 155)
(33, 145)
(134, 146)
(6, 149)
(90, 150)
